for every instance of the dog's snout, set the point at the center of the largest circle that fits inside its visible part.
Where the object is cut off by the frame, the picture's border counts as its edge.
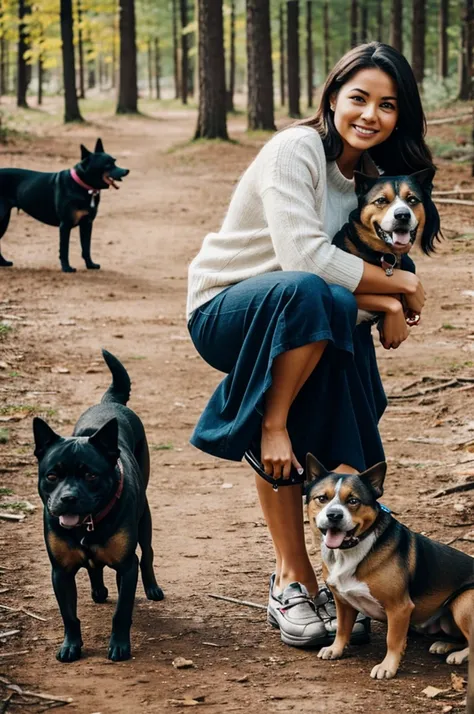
(402, 214)
(335, 516)
(69, 499)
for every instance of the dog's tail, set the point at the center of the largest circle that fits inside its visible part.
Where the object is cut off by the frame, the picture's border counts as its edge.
(470, 675)
(119, 390)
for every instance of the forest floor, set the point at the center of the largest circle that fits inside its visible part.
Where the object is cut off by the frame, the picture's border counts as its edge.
(209, 534)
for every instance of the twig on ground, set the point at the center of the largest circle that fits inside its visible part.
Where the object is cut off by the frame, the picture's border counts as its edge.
(469, 486)
(247, 603)
(13, 654)
(25, 612)
(5, 704)
(8, 633)
(428, 390)
(11, 516)
(39, 695)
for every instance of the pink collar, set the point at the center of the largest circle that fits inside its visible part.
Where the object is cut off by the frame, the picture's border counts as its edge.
(75, 176)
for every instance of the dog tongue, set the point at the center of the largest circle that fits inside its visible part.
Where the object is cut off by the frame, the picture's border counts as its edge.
(68, 520)
(401, 238)
(334, 538)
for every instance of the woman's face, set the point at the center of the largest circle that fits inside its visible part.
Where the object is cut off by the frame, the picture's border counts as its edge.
(365, 109)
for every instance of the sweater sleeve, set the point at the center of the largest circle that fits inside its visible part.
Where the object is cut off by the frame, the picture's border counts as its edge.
(291, 189)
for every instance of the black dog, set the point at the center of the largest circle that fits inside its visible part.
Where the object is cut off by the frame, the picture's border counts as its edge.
(65, 199)
(92, 485)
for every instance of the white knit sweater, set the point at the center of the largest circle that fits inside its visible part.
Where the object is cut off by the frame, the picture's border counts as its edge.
(285, 210)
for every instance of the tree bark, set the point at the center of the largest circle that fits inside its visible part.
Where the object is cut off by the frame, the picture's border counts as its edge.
(259, 66)
(309, 52)
(22, 73)
(71, 105)
(396, 34)
(281, 20)
(212, 122)
(418, 40)
(40, 80)
(3, 66)
(465, 58)
(128, 88)
(157, 67)
(380, 20)
(293, 58)
(354, 22)
(174, 9)
(80, 45)
(443, 38)
(183, 6)
(327, 52)
(364, 21)
(232, 64)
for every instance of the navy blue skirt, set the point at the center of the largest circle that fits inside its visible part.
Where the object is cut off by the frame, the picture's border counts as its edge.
(246, 326)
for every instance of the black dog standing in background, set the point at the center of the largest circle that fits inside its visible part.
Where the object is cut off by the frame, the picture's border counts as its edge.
(66, 199)
(92, 485)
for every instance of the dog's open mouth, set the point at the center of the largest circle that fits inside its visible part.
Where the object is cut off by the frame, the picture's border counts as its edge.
(335, 538)
(69, 520)
(110, 181)
(399, 238)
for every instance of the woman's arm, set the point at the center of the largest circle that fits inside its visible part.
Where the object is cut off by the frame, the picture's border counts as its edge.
(375, 282)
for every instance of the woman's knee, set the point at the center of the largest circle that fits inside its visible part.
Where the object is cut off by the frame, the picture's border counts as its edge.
(344, 302)
(306, 287)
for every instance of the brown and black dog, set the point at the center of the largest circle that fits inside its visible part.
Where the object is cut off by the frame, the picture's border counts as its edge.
(375, 565)
(392, 213)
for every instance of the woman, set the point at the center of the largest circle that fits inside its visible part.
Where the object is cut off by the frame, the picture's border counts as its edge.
(273, 304)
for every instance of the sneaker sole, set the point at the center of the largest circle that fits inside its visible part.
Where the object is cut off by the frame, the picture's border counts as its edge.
(299, 641)
(362, 638)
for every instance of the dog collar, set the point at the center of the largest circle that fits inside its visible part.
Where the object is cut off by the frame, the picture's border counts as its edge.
(91, 521)
(90, 189)
(388, 262)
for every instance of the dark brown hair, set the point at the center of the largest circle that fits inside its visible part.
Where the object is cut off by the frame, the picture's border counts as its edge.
(405, 151)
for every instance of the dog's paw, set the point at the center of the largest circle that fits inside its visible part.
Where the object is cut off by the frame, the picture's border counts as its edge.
(69, 652)
(5, 263)
(100, 594)
(441, 647)
(67, 268)
(119, 650)
(90, 265)
(458, 657)
(154, 592)
(383, 671)
(330, 652)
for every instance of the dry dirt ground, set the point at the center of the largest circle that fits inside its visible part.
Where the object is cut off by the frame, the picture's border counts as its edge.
(209, 535)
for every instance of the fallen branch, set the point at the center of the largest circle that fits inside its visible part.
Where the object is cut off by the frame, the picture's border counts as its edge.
(11, 516)
(13, 654)
(458, 201)
(447, 120)
(8, 633)
(247, 603)
(25, 612)
(429, 390)
(455, 489)
(39, 695)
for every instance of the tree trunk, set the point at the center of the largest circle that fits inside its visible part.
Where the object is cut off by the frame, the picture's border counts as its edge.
(327, 61)
(354, 22)
(80, 43)
(465, 58)
(396, 34)
(3, 67)
(128, 88)
(212, 100)
(149, 68)
(157, 67)
(309, 52)
(380, 21)
(22, 74)
(183, 6)
(40, 80)
(364, 21)
(443, 38)
(293, 58)
(71, 105)
(281, 19)
(418, 40)
(259, 66)
(174, 8)
(232, 63)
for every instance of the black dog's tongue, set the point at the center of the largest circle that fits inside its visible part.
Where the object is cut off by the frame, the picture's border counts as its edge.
(69, 520)
(334, 538)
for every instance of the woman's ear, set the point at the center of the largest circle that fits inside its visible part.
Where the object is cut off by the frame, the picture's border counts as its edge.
(332, 101)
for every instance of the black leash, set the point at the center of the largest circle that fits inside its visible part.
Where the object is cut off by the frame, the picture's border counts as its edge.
(295, 479)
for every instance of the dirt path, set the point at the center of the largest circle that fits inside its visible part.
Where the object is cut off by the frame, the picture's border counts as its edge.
(209, 535)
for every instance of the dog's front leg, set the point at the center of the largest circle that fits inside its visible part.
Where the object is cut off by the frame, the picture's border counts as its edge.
(85, 232)
(64, 233)
(127, 576)
(64, 585)
(346, 616)
(398, 618)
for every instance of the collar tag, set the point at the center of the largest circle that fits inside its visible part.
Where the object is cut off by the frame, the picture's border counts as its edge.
(388, 262)
(385, 509)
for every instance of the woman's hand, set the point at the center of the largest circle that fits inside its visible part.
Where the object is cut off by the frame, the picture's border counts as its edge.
(413, 292)
(394, 328)
(277, 453)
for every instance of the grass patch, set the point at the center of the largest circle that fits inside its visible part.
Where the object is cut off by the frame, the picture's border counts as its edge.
(162, 447)
(12, 409)
(5, 491)
(4, 435)
(137, 357)
(448, 326)
(19, 506)
(5, 330)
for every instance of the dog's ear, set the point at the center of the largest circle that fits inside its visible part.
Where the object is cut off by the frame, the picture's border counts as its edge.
(424, 179)
(99, 147)
(105, 440)
(363, 183)
(375, 477)
(84, 152)
(314, 469)
(44, 437)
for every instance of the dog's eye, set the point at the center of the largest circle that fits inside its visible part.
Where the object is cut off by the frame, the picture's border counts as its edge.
(381, 201)
(353, 501)
(322, 498)
(52, 478)
(413, 200)
(90, 477)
